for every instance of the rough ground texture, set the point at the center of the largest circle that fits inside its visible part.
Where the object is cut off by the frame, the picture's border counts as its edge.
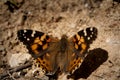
(57, 18)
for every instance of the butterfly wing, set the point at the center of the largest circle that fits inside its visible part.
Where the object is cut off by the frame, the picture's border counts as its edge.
(37, 44)
(81, 42)
(84, 38)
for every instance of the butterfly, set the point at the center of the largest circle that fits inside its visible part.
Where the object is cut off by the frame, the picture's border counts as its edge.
(53, 54)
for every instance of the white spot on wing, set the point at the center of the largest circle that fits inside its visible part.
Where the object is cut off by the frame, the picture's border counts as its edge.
(25, 37)
(25, 31)
(23, 34)
(88, 38)
(92, 32)
(33, 33)
(28, 39)
(91, 29)
(90, 35)
(85, 33)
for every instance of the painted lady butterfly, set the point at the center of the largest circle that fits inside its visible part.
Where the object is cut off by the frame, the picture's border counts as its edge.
(53, 54)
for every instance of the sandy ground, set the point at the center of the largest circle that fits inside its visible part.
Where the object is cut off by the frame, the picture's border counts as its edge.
(57, 18)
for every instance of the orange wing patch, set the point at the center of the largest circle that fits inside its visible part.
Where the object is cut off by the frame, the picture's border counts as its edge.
(79, 43)
(34, 48)
(84, 47)
(45, 46)
(44, 63)
(39, 42)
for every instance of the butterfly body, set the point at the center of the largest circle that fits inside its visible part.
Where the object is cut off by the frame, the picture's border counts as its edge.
(53, 54)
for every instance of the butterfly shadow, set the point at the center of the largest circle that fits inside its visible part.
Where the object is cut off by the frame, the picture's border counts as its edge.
(92, 61)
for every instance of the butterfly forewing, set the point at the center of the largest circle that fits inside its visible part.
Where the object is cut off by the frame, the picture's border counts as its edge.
(34, 40)
(84, 38)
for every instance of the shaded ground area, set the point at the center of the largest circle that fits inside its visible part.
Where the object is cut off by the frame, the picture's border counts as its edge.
(57, 18)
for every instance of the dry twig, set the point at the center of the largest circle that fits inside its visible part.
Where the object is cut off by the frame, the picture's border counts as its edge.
(15, 70)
